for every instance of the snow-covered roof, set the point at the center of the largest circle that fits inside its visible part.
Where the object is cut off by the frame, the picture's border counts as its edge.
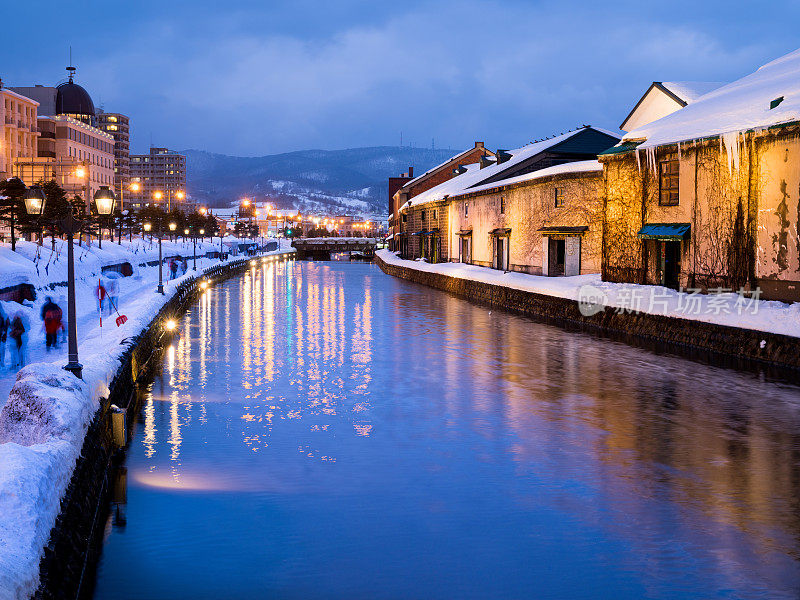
(452, 159)
(474, 175)
(579, 166)
(689, 91)
(736, 107)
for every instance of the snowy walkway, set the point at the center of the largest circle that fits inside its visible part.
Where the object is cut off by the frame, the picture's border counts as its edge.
(724, 307)
(88, 317)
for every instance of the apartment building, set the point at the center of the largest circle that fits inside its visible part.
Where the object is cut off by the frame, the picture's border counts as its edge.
(20, 130)
(118, 126)
(161, 176)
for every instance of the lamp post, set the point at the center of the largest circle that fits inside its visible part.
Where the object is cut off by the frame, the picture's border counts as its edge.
(172, 227)
(194, 253)
(160, 288)
(35, 200)
(104, 200)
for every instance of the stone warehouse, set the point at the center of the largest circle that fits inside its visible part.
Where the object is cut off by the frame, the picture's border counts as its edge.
(550, 223)
(534, 209)
(707, 197)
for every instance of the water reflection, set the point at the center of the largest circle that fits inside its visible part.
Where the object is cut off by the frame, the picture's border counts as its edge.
(321, 420)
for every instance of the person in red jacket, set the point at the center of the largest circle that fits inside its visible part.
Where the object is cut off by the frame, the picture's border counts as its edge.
(51, 315)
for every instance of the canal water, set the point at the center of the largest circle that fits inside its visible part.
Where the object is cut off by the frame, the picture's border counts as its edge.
(323, 430)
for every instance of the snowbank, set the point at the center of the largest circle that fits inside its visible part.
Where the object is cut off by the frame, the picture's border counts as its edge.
(42, 429)
(721, 309)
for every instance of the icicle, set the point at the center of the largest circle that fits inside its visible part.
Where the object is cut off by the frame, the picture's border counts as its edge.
(638, 161)
(679, 150)
(732, 147)
(651, 158)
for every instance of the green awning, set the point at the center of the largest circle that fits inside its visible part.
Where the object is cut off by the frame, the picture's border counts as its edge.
(664, 231)
(621, 148)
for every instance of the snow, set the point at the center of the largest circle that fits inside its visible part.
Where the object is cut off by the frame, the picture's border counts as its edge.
(44, 420)
(580, 166)
(451, 187)
(736, 107)
(689, 91)
(721, 309)
(474, 176)
(452, 159)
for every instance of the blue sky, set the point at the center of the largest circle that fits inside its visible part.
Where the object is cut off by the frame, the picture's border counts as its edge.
(254, 78)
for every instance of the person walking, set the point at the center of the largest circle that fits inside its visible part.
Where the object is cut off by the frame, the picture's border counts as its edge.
(17, 335)
(173, 268)
(51, 315)
(4, 324)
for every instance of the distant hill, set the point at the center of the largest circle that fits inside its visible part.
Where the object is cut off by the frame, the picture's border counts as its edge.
(353, 180)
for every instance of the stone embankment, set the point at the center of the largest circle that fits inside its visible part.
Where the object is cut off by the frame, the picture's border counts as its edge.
(724, 345)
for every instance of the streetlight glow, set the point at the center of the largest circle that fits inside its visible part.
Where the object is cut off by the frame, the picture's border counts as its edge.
(158, 195)
(104, 200)
(35, 199)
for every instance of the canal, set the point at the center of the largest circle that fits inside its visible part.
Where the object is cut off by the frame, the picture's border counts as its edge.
(323, 430)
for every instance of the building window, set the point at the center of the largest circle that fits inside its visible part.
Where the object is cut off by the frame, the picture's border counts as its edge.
(434, 215)
(502, 205)
(668, 180)
(466, 209)
(559, 197)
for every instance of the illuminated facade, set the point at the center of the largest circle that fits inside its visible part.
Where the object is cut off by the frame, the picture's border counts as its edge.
(161, 176)
(118, 126)
(20, 131)
(78, 156)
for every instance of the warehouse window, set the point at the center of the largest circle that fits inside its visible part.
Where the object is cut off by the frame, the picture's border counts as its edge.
(668, 178)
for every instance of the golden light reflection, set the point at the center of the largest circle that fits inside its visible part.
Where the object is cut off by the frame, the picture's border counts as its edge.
(150, 430)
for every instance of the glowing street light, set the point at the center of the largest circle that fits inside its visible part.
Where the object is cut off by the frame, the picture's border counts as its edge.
(180, 194)
(157, 195)
(35, 199)
(104, 201)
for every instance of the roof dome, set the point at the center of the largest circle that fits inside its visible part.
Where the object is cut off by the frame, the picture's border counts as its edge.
(72, 99)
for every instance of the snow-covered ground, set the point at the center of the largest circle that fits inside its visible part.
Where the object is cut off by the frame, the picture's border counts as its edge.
(722, 308)
(47, 411)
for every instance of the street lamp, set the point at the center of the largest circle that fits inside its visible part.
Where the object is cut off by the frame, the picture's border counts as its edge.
(104, 201)
(194, 253)
(160, 289)
(172, 227)
(35, 199)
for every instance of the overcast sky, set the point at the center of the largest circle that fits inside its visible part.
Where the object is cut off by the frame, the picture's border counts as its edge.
(261, 77)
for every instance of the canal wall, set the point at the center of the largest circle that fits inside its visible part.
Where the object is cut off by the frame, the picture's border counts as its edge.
(69, 558)
(724, 345)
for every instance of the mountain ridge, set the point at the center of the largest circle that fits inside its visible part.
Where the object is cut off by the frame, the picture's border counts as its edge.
(349, 180)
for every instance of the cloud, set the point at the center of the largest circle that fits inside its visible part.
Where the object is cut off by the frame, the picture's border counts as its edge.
(505, 72)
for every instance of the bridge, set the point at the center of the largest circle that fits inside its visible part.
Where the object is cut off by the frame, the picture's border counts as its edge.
(322, 248)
